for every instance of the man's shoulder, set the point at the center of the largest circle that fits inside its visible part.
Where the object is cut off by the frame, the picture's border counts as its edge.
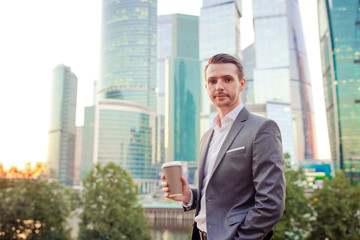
(259, 120)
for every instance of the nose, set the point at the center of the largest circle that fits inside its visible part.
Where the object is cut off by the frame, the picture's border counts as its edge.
(219, 85)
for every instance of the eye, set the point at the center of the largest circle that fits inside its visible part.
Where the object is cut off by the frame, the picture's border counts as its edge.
(212, 81)
(228, 79)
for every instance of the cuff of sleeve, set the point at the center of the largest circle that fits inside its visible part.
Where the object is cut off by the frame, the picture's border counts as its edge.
(190, 203)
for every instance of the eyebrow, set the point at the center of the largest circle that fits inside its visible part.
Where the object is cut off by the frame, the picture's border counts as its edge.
(224, 76)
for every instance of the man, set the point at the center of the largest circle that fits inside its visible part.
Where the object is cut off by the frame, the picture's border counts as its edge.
(241, 192)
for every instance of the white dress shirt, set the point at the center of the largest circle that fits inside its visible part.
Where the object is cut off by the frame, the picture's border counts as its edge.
(217, 140)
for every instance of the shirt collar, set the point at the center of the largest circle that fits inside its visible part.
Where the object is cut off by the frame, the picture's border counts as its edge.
(231, 116)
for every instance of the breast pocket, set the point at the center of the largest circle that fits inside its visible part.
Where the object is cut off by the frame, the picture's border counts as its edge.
(235, 151)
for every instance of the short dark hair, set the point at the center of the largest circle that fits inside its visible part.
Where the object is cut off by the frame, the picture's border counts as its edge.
(226, 58)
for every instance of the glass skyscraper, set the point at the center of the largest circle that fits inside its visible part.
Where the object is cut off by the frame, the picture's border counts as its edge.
(219, 32)
(339, 30)
(62, 129)
(87, 149)
(180, 67)
(124, 134)
(281, 69)
(125, 130)
(128, 51)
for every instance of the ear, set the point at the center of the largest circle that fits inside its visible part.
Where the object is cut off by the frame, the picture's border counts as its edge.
(206, 86)
(242, 84)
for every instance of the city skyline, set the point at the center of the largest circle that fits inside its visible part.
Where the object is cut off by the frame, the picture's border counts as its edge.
(51, 33)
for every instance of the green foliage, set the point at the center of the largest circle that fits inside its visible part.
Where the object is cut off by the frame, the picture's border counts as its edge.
(337, 205)
(295, 221)
(34, 209)
(110, 209)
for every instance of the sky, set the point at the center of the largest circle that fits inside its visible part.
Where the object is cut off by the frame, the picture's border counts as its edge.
(38, 35)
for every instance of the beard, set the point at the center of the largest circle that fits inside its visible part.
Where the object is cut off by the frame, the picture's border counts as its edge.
(226, 101)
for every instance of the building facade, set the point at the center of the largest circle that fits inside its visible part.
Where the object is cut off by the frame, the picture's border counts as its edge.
(77, 158)
(62, 129)
(180, 68)
(124, 134)
(339, 32)
(87, 143)
(219, 32)
(128, 51)
(281, 71)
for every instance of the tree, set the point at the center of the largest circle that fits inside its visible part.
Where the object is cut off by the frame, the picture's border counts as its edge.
(337, 205)
(34, 209)
(110, 209)
(295, 222)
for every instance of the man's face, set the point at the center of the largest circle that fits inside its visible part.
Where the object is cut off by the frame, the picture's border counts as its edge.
(223, 85)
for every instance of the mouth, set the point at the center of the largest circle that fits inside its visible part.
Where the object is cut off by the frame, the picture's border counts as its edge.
(221, 96)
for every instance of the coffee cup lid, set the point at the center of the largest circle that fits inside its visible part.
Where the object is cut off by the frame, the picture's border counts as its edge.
(170, 164)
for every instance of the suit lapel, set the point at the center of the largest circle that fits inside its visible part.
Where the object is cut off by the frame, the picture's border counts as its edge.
(234, 130)
(202, 158)
(203, 153)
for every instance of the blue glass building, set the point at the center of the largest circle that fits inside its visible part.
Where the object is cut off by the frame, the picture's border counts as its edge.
(339, 31)
(124, 134)
(281, 71)
(62, 129)
(128, 51)
(179, 76)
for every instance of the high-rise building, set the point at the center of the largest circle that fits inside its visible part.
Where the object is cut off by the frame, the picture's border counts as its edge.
(124, 131)
(62, 129)
(124, 134)
(87, 142)
(77, 158)
(281, 71)
(219, 32)
(180, 68)
(128, 51)
(339, 31)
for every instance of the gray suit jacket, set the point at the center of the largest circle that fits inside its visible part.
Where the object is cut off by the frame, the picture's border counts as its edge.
(245, 196)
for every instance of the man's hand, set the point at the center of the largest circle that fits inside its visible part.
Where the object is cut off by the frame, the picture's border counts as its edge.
(186, 194)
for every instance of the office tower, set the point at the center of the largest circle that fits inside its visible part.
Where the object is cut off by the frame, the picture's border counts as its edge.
(339, 31)
(87, 143)
(278, 111)
(124, 134)
(87, 136)
(281, 69)
(180, 68)
(219, 30)
(62, 129)
(128, 51)
(125, 127)
(77, 158)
